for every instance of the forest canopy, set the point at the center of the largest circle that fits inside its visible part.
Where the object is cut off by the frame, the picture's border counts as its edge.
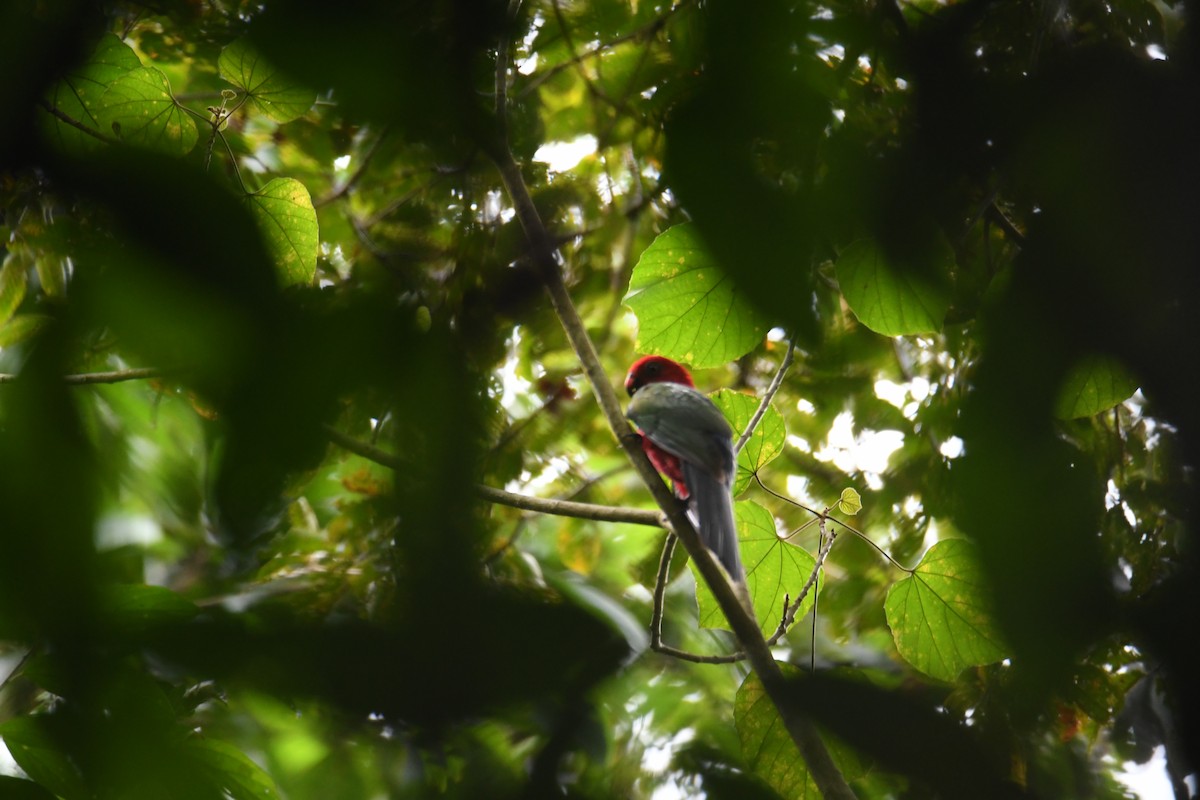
(315, 481)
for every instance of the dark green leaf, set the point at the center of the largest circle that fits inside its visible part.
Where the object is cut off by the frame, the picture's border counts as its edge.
(1093, 385)
(888, 299)
(233, 771)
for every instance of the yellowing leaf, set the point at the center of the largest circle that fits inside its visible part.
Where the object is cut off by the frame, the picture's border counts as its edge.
(849, 502)
(285, 214)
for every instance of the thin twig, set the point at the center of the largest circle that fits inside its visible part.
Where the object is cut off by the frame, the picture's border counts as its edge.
(543, 505)
(660, 590)
(767, 397)
(115, 376)
(1006, 225)
(646, 31)
(571, 508)
(364, 162)
(74, 123)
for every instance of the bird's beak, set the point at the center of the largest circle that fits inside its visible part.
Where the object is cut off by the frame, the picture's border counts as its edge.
(630, 387)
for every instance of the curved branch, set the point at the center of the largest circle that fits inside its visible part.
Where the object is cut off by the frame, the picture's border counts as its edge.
(827, 776)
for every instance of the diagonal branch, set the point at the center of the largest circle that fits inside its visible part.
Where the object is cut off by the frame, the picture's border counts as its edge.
(827, 776)
(768, 396)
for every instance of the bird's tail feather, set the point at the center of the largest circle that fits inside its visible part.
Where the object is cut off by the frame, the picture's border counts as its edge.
(712, 503)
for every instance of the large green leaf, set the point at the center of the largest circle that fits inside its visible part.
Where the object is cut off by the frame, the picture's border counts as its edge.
(80, 94)
(939, 615)
(233, 771)
(35, 750)
(1095, 384)
(888, 299)
(138, 108)
(285, 214)
(774, 568)
(270, 91)
(769, 750)
(763, 445)
(686, 308)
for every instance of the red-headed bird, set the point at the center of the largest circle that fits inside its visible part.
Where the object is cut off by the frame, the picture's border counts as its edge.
(689, 441)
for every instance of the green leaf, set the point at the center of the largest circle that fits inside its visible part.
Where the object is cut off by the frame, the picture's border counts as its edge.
(22, 328)
(139, 109)
(769, 750)
(270, 91)
(20, 789)
(763, 445)
(80, 94)
(233, 771)
(686, 308)
(36, 752)
(285, 214)
(890, 300)
(773, 568)
(14, 277)
(849, 502)
(939, 615)
(139, 606)
(1095, 384)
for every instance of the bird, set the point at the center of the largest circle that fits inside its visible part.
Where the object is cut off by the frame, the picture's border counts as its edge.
(689, 441)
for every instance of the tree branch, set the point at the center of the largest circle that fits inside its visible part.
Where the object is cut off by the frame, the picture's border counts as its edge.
(768, 396)
(115, 376)
(827, 776)
(543, 505)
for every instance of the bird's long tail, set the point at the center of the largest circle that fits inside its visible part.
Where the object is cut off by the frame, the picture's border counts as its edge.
(711, 501)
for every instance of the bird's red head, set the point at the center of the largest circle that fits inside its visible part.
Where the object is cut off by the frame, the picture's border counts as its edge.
(656, 369)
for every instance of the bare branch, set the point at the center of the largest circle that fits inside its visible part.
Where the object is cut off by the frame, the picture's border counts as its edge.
(767, 397)
(561, 508)
(115, 376)
(660, 589)
(570, 508)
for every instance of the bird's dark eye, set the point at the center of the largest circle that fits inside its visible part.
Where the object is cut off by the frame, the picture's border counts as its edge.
(652, 367)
